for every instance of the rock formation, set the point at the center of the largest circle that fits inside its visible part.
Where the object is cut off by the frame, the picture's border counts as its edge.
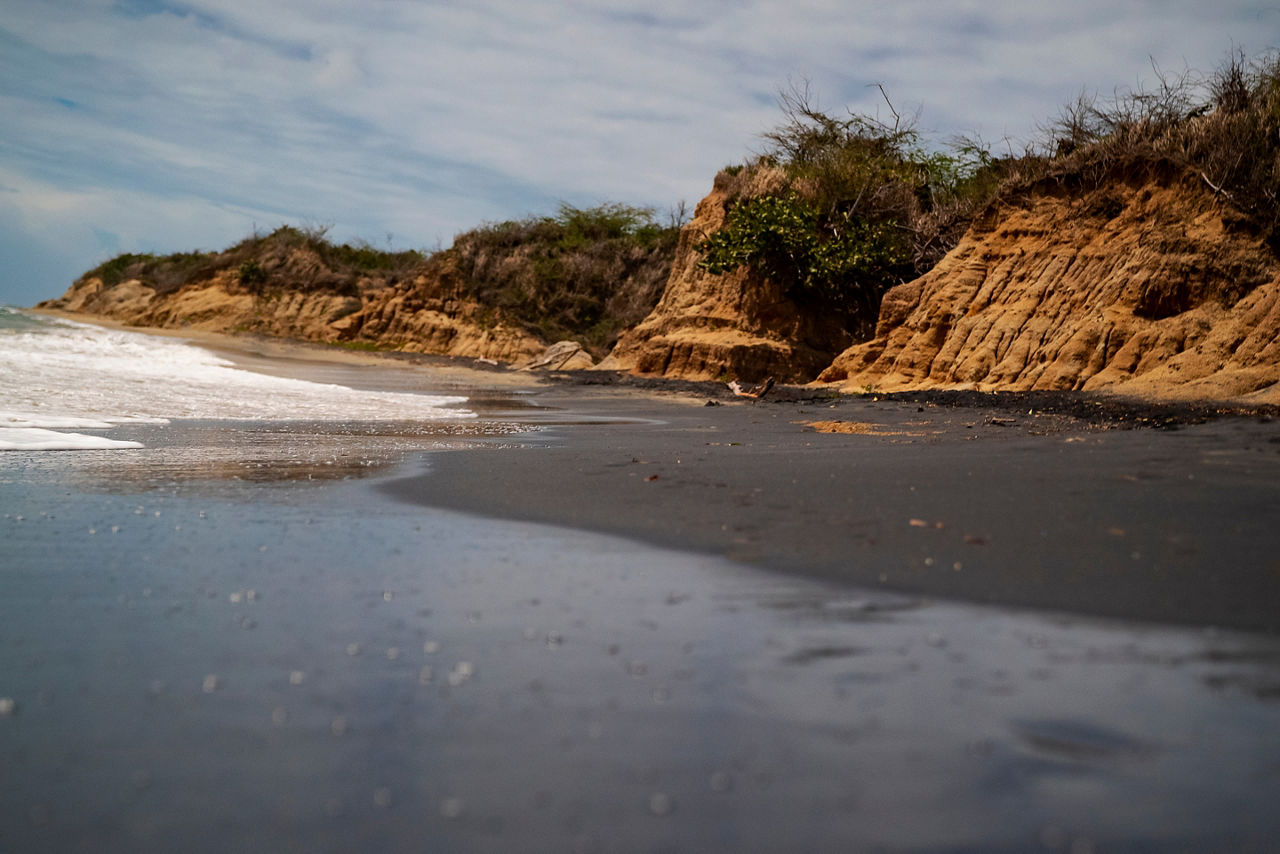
(733, 326)
(409, 318)
(1149, 285)
(1147, 282)
(426, 313)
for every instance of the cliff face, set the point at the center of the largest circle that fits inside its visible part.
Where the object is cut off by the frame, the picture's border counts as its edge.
(737, 325)
(425, 314)
(503, 291)
(1147, 286)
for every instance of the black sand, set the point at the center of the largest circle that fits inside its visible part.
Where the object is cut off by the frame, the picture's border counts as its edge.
(242, 637)
(1102, 514)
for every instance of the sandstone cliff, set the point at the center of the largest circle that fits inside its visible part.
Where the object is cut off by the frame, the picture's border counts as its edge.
(425, 314)
(504, 291)
(738, 325)
(1149, 285)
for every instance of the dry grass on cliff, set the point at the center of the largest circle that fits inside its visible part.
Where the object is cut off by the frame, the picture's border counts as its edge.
(1224, 127)
(842, 189)
(838, 209)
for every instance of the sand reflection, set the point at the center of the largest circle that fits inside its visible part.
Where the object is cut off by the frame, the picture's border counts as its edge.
(226, 453)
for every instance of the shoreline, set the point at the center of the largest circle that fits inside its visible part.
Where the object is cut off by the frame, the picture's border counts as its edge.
(332, 635)
(257, 668)
(1037, 498)
(1164, 526)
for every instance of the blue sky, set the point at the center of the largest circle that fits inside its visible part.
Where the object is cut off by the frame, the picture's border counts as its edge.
(147, 125)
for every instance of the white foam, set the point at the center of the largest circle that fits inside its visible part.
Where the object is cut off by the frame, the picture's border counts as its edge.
(36, 439)
(63, 422)
(56, 374)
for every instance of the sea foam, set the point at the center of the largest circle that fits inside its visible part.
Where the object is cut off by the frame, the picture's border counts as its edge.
(57, 375)
(35, 439)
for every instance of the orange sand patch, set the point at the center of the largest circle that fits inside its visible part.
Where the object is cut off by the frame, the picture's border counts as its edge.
(859, 428)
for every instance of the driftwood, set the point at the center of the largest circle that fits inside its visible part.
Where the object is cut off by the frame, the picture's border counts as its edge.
(755, 392)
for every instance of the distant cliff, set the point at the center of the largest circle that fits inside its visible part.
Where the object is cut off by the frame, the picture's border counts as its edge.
(504, 291)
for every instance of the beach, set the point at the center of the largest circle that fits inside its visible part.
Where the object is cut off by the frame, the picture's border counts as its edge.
(615, 618)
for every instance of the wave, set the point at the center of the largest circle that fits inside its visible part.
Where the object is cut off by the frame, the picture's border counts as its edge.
(57, 374)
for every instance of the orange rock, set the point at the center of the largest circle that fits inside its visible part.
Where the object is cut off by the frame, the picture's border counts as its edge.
(1148, 287)
(732, 326)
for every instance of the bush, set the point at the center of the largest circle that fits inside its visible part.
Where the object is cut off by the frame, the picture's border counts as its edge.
(121, 268)
(584, 273)
(298, 258)
(864, 203)
(252, 275)
(864, 206)
(786, 239)
(1223, 127)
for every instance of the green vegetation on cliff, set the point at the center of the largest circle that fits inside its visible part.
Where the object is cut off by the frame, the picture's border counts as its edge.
(300, 259)
(585, 274)
(863, 203)
(836, 209)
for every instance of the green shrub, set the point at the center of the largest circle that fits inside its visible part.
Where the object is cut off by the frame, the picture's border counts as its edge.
(121, 268)
(864, 206)
(252, 275)
(584, 273)
(845, 265)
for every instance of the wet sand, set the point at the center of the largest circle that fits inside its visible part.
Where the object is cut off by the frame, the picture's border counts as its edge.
(1031, 510)
(281, 637)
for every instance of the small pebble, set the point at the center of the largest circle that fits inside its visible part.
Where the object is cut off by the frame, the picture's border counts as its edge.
(462, 671)
(210, 683)
(7, 707)
(660, 804)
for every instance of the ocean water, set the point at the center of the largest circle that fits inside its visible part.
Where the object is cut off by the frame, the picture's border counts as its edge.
(59, 378)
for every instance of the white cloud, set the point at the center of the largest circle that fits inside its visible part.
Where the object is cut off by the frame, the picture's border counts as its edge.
(424, 118)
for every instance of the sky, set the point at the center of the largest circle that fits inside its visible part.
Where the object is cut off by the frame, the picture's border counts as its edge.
(157, 126)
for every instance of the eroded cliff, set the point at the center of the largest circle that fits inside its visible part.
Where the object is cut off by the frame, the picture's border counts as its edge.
(504, 291)
(1150, 284)
(426, 314)
(736, 325)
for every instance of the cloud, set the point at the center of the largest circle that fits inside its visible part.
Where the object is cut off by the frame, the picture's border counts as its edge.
(171, 119)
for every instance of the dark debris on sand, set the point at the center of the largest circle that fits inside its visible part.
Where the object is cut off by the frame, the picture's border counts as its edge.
(1091, 408)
